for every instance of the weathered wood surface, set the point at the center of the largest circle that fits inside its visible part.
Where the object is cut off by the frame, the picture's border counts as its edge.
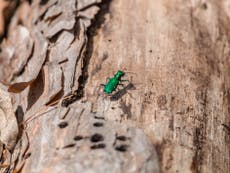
(174, 119)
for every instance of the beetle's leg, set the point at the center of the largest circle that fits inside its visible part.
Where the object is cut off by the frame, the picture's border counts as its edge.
(118, 89)
(127, 80)
(124, 80)
(104, 96)
(121, 84)
(107, 79)
(130, 72)
(109, 95)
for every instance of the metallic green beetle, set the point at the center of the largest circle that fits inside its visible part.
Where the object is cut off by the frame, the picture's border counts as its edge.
(112, 83)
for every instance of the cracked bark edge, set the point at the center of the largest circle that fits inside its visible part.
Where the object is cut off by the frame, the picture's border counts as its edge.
(91, 32)
(13, 5)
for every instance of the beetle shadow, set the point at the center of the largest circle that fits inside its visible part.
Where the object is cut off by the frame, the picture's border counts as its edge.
(116, 96)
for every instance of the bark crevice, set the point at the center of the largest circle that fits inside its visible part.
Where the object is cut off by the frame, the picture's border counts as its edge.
(96, 24)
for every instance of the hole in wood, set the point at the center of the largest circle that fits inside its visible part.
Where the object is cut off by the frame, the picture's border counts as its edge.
(204, 6)
(98, 124)
(122, 148)
(98, 146)
(27, 155)
(96, 138)
(69, 146)
(62, 124)
(100, 118)
(78, 138)
(121, 138)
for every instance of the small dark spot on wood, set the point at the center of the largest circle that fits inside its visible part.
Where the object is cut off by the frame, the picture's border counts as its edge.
(69, 146)
(150, 51)
(74, 96)
(113, 108)
(121, 138)
(204, 6)
(98, 146)
(62, 124)
(78, 138)
(109, 40)
(161, 101)
(42, 2)
(122, 148)
(189, 134)
(98, 124)
(226, 127)
(160, 147)
(96, 138)
(63, 61)
(198, 142)
(19, 114)
(30, 1)
(171, 123)
(27, 155)
(100, 118)
(105, 56)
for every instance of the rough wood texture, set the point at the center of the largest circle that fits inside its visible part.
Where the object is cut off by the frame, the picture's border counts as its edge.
(172, 115)
(8, 122)
(180, 52)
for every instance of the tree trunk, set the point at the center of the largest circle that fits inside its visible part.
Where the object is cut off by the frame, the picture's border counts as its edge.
(171, 113)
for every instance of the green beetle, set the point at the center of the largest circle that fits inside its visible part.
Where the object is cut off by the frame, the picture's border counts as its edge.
(112, 83)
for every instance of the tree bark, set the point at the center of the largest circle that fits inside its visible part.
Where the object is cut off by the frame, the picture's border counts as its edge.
(172, 113)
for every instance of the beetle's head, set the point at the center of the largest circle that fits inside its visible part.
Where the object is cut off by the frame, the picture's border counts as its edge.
(119, 73)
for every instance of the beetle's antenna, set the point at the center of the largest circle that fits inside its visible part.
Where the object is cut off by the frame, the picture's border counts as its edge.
(130, 72)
